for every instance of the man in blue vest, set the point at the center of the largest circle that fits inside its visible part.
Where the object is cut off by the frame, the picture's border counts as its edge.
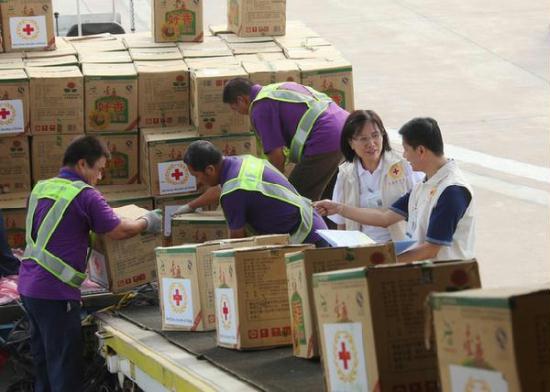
(255, 196)
(61, 213)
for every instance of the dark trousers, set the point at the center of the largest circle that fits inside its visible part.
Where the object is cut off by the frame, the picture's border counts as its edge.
(313, 174)
(9, 265)
(56, 344)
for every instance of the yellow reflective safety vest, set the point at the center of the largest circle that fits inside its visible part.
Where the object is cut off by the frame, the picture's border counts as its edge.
(62, 192)
(250, 178)
(316, 103)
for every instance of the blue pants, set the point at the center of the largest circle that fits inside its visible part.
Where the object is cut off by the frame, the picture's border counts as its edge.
(56, 344)
(9, 265)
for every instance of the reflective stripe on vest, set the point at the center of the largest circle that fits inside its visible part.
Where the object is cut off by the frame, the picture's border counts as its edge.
(62, 192)
(317, 103)
(250, 179)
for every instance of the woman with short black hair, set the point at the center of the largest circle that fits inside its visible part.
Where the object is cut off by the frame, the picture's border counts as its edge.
(373, 175)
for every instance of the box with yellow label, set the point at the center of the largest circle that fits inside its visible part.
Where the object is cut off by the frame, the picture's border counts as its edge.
(186, 288)
(120, 265)
(111, 99)
(300, 268)
(493, 339)
(177, 20)
(372, 323)
(250, 287)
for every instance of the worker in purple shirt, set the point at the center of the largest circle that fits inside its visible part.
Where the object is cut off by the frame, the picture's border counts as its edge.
(255, 196)
(297, 119)
(290, 120)
(62, 211)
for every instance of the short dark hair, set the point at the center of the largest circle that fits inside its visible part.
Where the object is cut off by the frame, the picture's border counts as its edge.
(235, 88)
(423, 131)
(200, 154)
(354, 125)
(89, 148)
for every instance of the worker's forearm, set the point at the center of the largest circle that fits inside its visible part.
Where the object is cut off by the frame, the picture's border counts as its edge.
(368, 216)
(421, 252)
(127, 228)
(210, 196)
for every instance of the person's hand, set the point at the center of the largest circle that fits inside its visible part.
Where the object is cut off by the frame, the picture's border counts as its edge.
(328, 207)
(154, 222)
(184, 209)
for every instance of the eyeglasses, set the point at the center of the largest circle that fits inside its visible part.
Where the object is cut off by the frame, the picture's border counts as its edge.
(375, 136)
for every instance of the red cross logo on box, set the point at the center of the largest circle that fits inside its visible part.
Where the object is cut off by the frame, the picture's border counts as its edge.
(178, 297)
(7, 113)
(345, 356)
(28, 29)
(225, 311)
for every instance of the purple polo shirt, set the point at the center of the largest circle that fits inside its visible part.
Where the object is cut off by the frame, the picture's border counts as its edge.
(264, 214)
(276, 123)
(88, 212)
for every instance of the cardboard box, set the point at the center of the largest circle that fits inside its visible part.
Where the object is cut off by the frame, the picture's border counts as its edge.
(371, 323)
(186, 287)
(198, 227)
(300, 268)
(111, 97)
(254, 47)
(111, 44)
(252, 307)
(11, 62)
(493, 339)
(144, 39)
(27, 25)
(163, 94)
(56, 100)
(313, 53)
(52, 61)
(219, 29)
(162, 166)
(62, 48)
(177, 20)
(211, 62)
(301, 41)
(121, 265)
(210, 47)
(267, 72)
(256, 17)
(208, 112)
(123, 167)
(14, 102)
(232, 38)
(15, 164)
(332, 77)
(155, 54)
(122, 195)
(48, 152)
(120, 57)
(261, 57)
(168, 205)
(14, 213)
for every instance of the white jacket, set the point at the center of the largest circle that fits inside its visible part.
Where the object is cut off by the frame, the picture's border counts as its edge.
(422, 201)
(397, 179)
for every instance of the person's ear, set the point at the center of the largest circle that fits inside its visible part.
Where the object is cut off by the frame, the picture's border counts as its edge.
(209, 170)
(81, 163)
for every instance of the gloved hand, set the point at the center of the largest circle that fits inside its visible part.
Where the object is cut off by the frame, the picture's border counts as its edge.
(154, 222)
(184, 209)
